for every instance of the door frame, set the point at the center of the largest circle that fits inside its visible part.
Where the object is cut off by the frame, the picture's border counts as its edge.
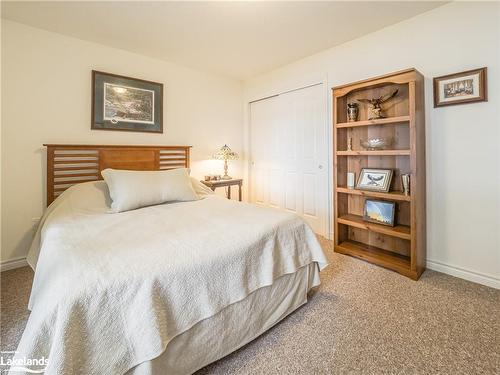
(328, 144)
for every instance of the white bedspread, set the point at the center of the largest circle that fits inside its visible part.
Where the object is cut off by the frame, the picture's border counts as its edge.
(111, 290)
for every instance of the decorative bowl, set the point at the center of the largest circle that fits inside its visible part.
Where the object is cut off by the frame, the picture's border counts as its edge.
(375, 143)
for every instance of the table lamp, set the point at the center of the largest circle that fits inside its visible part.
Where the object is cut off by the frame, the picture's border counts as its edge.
(225, 153)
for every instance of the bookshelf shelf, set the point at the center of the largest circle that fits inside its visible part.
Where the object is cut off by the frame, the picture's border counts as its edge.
(374, 153)
(400, 231)
(381, 121)
(376, 255)
(392, 195)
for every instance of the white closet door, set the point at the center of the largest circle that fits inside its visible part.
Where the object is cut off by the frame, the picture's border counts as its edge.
(288, 148)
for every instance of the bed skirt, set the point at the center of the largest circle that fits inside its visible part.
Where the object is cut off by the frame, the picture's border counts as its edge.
(233, 327)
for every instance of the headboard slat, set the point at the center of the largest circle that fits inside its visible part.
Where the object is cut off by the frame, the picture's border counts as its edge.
(68, 165)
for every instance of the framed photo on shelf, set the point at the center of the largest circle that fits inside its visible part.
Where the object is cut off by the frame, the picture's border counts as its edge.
(459, 88)
(380, 212)
(374, 179)
(125, 103)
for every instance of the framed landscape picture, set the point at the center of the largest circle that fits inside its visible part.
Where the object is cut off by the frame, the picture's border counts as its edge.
(380, 212)
(459, 88)
(125, 103)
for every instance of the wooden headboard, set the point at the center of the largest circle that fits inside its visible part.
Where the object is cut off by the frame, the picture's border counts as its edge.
(68, 165)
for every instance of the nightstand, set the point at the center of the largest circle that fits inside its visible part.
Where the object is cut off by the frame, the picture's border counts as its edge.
(223, 183)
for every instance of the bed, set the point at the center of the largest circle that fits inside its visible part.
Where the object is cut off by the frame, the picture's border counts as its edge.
(164, 289)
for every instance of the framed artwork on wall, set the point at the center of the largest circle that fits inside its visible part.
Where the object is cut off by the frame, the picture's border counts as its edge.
(459, 88)
(125, 103)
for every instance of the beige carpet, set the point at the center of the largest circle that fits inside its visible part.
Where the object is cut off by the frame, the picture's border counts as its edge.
(363, 319)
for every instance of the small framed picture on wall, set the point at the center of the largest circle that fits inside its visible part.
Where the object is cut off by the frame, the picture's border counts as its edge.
(459, 88)
(125, 103)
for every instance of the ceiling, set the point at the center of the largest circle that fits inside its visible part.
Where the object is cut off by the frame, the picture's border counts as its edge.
(237, 39)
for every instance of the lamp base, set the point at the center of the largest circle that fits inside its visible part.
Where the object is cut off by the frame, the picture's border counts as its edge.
(226, 176)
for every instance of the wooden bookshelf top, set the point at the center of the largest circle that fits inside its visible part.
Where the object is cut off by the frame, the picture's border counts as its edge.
(402, 76)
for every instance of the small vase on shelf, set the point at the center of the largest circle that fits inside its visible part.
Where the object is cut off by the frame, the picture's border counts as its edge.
(350, 180)
(405, 182)
(352, 112)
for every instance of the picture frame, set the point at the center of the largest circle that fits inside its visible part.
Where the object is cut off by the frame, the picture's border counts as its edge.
(379, 212)
(126, 104)
(374, 179)
(460, 88)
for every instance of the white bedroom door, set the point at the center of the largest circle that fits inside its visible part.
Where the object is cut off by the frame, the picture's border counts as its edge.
(288, 154)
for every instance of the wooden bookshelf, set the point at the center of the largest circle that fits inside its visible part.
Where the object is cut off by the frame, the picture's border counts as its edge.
(401, 248)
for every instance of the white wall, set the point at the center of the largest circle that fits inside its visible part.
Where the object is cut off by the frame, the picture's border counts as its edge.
(463, 152)
(46, 98)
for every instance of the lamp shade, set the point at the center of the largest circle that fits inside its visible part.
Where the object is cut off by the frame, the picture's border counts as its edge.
(225, 153)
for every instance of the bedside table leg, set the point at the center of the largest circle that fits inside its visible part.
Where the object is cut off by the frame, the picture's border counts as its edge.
(240, 196)
(229, 192)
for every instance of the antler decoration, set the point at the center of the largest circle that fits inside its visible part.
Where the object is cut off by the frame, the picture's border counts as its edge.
(375, 105)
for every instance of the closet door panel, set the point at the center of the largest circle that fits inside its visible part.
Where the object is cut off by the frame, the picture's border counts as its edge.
(290, 191)
(288, 144)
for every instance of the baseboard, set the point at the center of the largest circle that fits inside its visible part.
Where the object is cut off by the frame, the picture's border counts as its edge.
(475, 277)
(12, 264)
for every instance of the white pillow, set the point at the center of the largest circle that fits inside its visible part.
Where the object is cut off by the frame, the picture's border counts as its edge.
(200, 188)
(134, 189)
